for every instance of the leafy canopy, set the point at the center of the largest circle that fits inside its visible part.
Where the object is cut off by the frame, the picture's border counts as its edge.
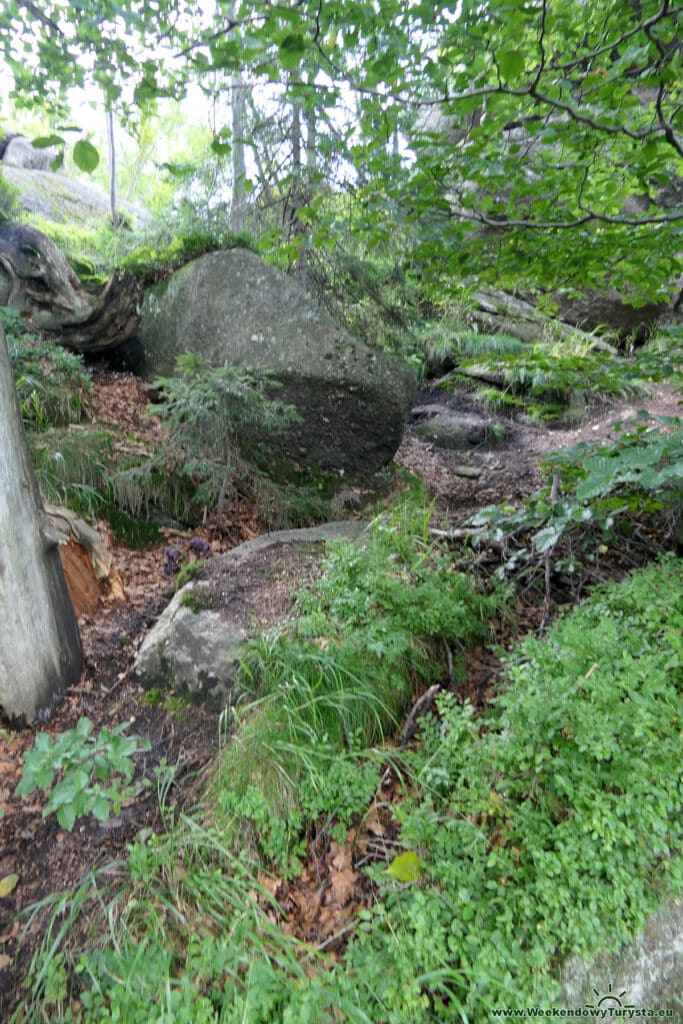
(536, 142)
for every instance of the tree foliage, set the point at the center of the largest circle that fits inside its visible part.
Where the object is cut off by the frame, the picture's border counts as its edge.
(537, 142)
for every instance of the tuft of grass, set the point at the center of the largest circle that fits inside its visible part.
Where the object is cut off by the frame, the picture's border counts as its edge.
(446, 346)
(189, 934)
(339, 676)
(52, 384)
(72, 467)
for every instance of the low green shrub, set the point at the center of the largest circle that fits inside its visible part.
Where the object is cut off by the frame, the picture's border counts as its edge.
(340, 675)
(596, 486)
(216, 419)
(548, 380)
(81, 771)
(184, 940)
(52, 384)
(551, 825)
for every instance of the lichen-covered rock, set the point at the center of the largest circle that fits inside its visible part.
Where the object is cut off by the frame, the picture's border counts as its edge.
(20, 153)
(195, 651)
(233, 309)
(60, 199)
(646, 978)
(198, 642)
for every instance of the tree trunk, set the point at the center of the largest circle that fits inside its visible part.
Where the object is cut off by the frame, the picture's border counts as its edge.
(40, 647)
(297, 197)
(35, 278)
(239, 163)
(111, 152)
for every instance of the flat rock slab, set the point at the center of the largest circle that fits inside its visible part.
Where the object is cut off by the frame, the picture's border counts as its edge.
(198, 642)
(453, 429)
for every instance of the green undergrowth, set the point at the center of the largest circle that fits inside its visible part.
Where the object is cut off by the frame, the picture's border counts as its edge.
(548, 826)
(154, 260)
(548, 380)
(593, 493)
(216, 417)
(219, 421)
(445, 346)
(340, 675)
(149, 253)
(73, 465)
(52, 384)
(92, 248)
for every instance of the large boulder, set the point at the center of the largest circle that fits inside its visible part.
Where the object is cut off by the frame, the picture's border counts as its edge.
(233, 309)
(197, 643)
(611, 311)
(19, 152)
(60, 199)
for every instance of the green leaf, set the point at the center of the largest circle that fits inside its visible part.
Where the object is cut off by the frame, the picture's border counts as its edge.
(45, 141)
(221, 148)
(511, 63)
(42, 742)
(291, 50)
(8, 884)
(66, 816)
(178, 170)
(85, 156)
(549, 536)
(100, 808)
(84, 727)
(407, 867)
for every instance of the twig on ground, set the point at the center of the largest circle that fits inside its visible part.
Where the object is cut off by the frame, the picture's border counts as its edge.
(419, 708)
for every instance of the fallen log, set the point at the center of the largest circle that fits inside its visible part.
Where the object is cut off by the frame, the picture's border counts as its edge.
(36, 279)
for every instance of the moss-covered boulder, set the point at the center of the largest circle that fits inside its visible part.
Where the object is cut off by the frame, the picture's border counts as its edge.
(230, 308)
(60, 199)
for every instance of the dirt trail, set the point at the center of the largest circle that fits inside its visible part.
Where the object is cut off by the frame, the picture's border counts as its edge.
(510, 470)
(48, 859)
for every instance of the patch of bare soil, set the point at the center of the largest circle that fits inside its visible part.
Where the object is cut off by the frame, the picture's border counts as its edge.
(510, 471)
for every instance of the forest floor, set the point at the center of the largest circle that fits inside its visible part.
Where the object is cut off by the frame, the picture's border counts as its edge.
(330, 889)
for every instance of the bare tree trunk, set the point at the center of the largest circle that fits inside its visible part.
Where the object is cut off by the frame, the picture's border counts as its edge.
(40, 647)
(297, 192)
(311, 143)
(111, 151)
(239, 163)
